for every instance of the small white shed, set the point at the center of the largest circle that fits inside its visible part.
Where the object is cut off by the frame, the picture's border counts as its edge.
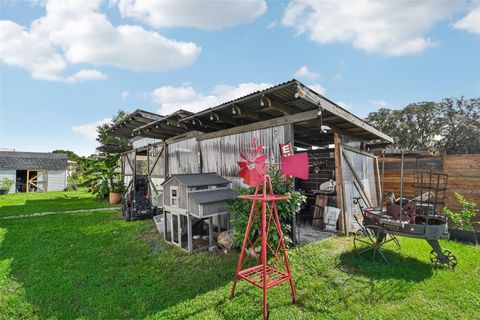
(34, 171)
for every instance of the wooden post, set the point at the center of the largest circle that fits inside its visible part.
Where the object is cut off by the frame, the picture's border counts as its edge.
(189, 232)
(28, 182)
(210, 230)
(379, 185)
(342, 220)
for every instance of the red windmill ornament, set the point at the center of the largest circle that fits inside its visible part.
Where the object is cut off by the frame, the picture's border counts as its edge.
(266, 273)
(253, 166)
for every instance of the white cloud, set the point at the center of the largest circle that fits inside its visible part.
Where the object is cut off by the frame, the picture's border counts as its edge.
(125, 95)
(379, 103)
(75, 32)
(86, 74)
(272, 25)
(344, 105)
(171, 98)
(392, 28)
(30, 51)
(208, 15)
(317, 88)
(304, 72)
(337, 76)
(89, 130)
(471, 22)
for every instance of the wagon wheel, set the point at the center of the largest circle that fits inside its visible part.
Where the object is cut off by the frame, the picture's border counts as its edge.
(370, 238)
(447, 259)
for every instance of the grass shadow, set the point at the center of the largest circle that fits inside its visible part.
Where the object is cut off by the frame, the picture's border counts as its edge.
(61, 203)
(399, 266)
(95, 265)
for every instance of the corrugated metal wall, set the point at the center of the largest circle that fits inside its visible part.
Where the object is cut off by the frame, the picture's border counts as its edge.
(221, 154)
(183, 157)
(57, 180)
(10, 174)
(364, 167)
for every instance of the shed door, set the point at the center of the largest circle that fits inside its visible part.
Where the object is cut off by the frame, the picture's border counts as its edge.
(37, 181)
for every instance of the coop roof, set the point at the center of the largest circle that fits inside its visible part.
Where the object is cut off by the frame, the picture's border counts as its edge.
(199, 179)
(213, 195)
(32, 160)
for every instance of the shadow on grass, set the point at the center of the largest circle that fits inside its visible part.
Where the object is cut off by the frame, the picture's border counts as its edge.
(95, 265)
(399, 266)
(62, 203)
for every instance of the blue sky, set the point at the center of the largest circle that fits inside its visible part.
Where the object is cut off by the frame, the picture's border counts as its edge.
(68, 65)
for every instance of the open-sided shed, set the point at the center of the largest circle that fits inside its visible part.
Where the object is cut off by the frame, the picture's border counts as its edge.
(209, 141)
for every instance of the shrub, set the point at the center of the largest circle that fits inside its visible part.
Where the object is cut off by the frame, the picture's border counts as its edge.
(6, 184)
(463, 219)
(287, 210)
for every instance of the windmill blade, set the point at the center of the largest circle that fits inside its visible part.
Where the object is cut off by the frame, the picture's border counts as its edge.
(257, 151)
(243, 171)
(261, 159)
(242, 164)
(242, 155)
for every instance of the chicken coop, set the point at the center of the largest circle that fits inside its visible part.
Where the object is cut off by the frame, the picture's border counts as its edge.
(195, 206)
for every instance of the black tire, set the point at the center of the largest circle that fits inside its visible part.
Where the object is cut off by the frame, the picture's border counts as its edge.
(127, 215)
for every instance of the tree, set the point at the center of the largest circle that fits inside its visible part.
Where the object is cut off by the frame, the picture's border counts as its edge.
(460, 126)
(450, 126)
(101, 175)
(104, 135)
(414, 127)
(72, 156)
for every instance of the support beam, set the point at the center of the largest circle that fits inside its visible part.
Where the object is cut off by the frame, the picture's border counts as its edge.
(299, 117)
(342, 221)
(268, 103)
(340, 112)
(239, 112)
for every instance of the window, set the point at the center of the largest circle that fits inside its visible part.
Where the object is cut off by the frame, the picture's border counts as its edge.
(174, 196)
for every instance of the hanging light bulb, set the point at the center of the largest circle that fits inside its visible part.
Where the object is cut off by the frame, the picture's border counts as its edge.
(193, 121)
(261, 100)
(233, 110)
(211, 116)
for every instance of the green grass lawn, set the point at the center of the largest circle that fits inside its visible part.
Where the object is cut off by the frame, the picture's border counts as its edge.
(28, 203)
(93, 265)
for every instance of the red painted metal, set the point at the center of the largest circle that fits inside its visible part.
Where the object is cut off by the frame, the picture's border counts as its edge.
(295, 165)
(266, 274)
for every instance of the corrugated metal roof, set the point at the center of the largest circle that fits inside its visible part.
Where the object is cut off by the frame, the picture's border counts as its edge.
(213, 195)
(199, 179)
(287, 98)
(32, 160)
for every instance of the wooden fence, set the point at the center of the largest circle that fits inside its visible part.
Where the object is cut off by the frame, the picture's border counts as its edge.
(463, 176)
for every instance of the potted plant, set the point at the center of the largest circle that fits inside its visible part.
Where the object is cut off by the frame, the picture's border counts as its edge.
(5, 185)
(103, 178)
(116, 191)
(463, 230)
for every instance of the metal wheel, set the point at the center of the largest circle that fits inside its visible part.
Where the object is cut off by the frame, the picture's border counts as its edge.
(447, 259)
(370, 238)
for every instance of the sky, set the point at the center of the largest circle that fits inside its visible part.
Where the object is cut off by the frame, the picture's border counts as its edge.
(67, 66)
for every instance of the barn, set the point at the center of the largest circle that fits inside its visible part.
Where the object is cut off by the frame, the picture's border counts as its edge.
(34, 171)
